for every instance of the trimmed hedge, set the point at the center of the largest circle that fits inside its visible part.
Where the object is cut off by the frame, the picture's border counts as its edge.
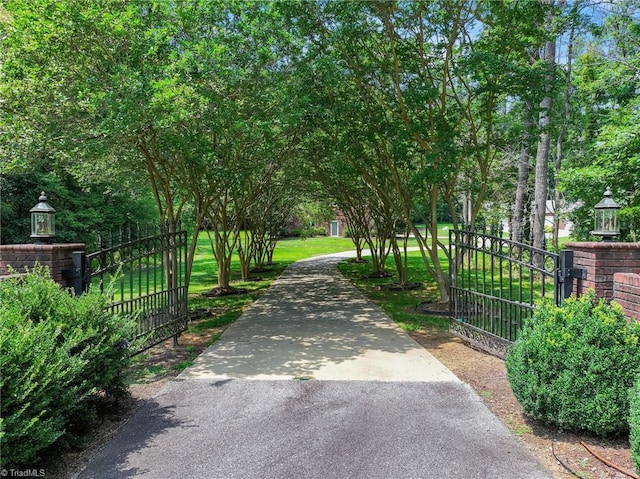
(57, 352)
(573, 366)
(634, 425)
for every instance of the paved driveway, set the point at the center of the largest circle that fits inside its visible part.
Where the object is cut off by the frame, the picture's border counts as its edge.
(314, 381)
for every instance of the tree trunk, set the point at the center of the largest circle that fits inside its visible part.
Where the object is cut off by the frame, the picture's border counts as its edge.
(466, 208)
(273, 241)
(378, 239)
(400, 259)
(226, 234)
(430, 246)
(557, 198)
(223, 256)
(520, 207)
(224, 272)
(246, 247)
(357, 224)
(245, 262)
(544, 143)
(191, 254)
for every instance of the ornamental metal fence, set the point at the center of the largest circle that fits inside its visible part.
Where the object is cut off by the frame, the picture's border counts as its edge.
(496, 283)
(143, 268)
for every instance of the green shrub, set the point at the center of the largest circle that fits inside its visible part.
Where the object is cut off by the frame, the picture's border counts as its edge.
(634, 424)
(37, 397)
(308, 232)
(574, 365)
(57, 353)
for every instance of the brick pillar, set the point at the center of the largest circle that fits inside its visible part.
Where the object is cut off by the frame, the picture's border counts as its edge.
(57, 257)
(626, 292)
(602, 260)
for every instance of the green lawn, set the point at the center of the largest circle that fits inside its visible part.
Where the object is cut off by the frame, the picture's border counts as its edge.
(204, 274)
(291, 250)
(288, 251)
(515, 284)
(399, 305)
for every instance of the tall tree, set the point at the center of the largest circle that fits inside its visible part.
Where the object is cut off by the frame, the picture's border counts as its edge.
(548, 56)
(97, 82)
(604, 149)
(521, 207)
(559, 206)
(430, 78)
(177, 92)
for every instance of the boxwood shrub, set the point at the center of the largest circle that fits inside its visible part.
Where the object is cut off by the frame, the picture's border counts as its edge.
(634, 424)
(574, 365)
(57, 353)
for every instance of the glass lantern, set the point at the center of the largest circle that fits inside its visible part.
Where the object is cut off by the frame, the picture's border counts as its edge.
(606, 217)
(43, 220)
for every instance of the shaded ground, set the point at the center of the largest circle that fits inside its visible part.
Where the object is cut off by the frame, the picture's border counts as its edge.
(151, 371)
(485, 373)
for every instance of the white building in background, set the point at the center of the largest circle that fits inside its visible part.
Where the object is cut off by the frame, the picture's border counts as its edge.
(565, 227)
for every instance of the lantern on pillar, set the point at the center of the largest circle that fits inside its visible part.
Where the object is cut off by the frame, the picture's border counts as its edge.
(606, 217)
(43, 221)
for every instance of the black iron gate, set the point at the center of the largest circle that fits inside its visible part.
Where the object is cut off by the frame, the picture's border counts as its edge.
(495, 284)
(145, 267)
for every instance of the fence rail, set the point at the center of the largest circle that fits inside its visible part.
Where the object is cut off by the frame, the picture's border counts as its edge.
(145, 267)
(495, 284)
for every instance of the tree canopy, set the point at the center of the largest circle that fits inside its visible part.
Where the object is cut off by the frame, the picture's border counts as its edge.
(221, 111)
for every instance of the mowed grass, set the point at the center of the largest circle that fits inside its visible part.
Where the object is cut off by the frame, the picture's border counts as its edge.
(288, 251)
(229, 308)
(399, 305)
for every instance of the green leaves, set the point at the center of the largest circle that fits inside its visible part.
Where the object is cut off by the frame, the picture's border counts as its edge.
(574, 365)
(605, 150)
(634, 423)
(57, 351)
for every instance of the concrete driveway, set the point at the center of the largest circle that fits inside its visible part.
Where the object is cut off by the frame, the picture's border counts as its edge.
(315, 381)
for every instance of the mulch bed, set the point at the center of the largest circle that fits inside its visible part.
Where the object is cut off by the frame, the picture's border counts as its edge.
(263, 269)
(217, 292)
(377, 275)
(433, 308)
(400, 287)
(358, 260)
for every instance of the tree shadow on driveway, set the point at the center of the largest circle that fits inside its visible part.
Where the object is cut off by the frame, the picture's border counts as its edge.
(138, 434)
(312, 323)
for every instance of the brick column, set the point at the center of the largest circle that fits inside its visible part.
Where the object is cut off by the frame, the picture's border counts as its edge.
(602, 260)
(626, 292)
(57, 257)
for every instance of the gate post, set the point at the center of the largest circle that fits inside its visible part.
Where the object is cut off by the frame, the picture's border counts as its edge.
(80, 283)
(567, 273)
(602, 260)
(566, 280)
